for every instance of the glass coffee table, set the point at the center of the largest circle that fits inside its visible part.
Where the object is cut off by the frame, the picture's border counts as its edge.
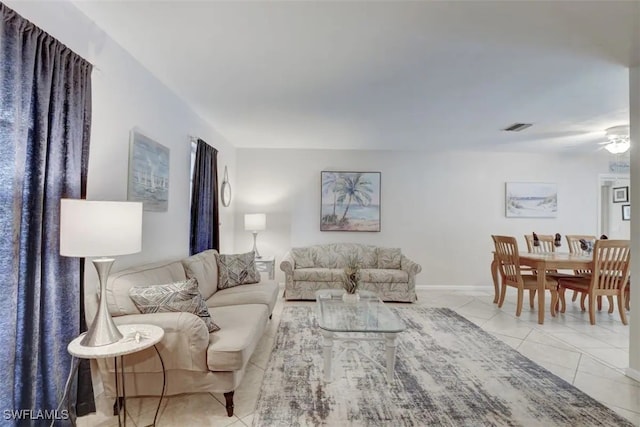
(367, 319)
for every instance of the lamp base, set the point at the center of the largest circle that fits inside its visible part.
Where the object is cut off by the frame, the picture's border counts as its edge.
(102, 331)
(255, 248)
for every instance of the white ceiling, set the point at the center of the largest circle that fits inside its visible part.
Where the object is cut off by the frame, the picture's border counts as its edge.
(390, 75)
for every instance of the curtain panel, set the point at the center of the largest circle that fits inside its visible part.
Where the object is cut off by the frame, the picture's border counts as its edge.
(45, 119)
(205, 232)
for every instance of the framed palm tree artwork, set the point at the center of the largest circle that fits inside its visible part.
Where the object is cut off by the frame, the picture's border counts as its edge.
(350, 201)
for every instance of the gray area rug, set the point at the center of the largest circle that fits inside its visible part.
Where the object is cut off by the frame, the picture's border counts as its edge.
(449, 372)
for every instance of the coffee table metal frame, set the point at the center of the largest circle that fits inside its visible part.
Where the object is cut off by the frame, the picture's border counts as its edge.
(369, 318)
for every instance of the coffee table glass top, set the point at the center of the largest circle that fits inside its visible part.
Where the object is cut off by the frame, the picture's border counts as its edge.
(369, 314)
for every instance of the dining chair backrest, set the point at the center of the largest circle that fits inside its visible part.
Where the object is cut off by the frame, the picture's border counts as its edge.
(610, 264)
(546, 243)
(573, 241)
(508, 257)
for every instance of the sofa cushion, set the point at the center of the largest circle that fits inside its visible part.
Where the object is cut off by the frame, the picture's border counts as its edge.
(335, 255)
(368, 256)
(118, 284)
(376, 275)
(265, 292)
(204, 267)
(237, 269)
(317, 274)
(303, 257)
(389, 258)
(326, 256)
(241, 328)
(172, 297)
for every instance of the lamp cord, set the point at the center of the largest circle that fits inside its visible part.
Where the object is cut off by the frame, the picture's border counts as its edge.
(72, 370)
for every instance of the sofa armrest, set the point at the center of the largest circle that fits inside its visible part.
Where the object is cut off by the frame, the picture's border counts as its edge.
(287, 264)
(184, 345)
(409, 266)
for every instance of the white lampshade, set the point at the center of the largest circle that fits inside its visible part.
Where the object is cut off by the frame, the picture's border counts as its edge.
(255, 222)
(99, 228)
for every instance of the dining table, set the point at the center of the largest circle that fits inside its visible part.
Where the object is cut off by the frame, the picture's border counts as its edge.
(543, 262)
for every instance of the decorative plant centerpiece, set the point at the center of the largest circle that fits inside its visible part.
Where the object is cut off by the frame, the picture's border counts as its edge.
(586, 246)
(351, 278)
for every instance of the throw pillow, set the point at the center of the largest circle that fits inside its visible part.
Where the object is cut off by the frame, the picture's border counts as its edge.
(237, 269)
(204, 268)
(389, 258)
(303, 257)
(173, 297)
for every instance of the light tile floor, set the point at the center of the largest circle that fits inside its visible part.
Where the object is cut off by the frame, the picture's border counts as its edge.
(592, 358)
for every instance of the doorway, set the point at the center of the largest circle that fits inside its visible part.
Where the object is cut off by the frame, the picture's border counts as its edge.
(613, 206)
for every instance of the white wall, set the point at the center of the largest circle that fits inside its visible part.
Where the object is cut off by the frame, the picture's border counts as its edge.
(126, 96)
(441, 209)
(616, 228)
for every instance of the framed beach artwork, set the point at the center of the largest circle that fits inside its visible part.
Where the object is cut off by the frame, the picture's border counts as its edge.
(148, 173)
(531, 200)
(350, 201)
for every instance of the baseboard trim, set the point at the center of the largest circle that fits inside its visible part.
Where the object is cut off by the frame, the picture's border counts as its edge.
(633, 374)
(455, 287)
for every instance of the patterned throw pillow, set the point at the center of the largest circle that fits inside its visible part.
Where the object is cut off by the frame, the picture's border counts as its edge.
(389, 258)
(173, 297)
(237, 269)
(302, 257)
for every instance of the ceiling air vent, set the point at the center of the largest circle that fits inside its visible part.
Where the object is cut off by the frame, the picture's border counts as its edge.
(517, 127)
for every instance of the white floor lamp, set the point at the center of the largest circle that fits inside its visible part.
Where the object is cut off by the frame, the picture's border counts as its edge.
(100, 229)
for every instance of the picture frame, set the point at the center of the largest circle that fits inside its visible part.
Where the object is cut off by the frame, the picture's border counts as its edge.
(620, 194)
(350, 201)
(626, 212)
(148, 180)
(531, 200)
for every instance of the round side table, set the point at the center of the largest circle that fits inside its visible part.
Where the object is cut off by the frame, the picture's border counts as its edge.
(136, 337)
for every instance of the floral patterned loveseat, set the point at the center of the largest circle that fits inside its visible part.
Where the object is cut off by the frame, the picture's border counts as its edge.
(384, 271)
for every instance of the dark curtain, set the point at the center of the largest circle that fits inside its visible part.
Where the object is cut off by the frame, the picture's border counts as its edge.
(85, 403)
(205, 232)
(45, 105)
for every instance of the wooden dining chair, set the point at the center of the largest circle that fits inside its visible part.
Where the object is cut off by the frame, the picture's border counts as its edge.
(511, 274)
(546, 243)
(627, 295)
(573, 241)
(610, 277)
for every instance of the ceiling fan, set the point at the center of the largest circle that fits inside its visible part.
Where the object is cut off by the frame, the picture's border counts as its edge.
(618, 141)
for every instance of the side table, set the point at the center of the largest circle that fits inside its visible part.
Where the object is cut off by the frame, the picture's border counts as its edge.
(136, 337)
(267, 264)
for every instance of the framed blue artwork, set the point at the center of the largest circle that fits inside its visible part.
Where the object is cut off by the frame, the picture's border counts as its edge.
(148, 173)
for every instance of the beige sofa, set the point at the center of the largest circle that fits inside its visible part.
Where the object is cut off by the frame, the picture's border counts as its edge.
(384, 271)
(194, 359)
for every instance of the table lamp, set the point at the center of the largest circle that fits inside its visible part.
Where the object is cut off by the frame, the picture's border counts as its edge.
(100, 229)
(254, 223)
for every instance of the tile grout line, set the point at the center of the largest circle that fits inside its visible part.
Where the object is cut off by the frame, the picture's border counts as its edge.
(584, 352)
(575, 372)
